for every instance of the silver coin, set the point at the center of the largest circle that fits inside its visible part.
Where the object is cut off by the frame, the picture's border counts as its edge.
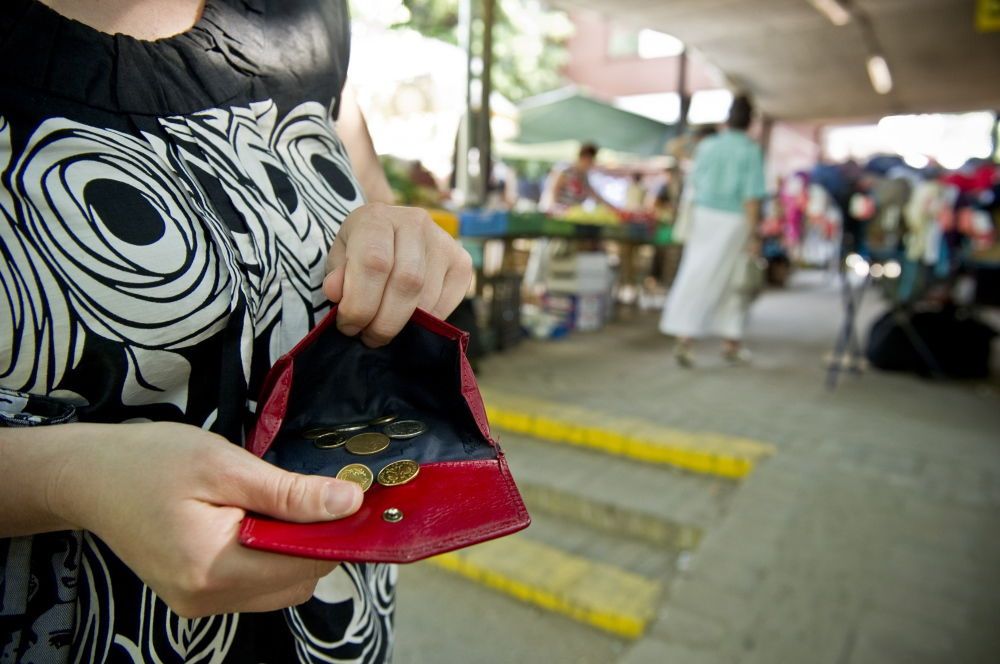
(330, 440)
(385, 419)
(348, 428)
(405, 429)
(313, 434)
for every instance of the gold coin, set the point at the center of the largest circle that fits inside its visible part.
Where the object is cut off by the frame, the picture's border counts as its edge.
(358, 473)
(367, 443)
(398, 472)
(330, 440)
(385, 419)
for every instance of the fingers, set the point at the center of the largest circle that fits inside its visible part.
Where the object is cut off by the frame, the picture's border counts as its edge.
(404, 286)
(294, 596)
(270, 572)
(455, 284)
(386, 262)
(257, 486)
(370, 256)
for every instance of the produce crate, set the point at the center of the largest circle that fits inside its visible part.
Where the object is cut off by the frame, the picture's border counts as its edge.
(483, 223)
(663, 236)
(446, 220)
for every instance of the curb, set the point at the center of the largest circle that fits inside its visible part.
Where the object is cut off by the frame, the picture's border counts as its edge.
(707, 453)
(599, 595)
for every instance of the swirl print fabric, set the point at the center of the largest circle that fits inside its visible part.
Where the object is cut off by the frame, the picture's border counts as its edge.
(158, 254)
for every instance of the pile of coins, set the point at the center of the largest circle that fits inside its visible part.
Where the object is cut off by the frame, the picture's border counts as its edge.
(356, 440)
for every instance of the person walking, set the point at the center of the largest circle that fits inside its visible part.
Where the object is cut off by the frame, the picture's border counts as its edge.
(728, 182)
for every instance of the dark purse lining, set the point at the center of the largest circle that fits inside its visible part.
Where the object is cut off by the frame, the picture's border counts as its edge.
(337, 380)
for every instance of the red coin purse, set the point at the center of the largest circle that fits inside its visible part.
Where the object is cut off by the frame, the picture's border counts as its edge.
(463, 493)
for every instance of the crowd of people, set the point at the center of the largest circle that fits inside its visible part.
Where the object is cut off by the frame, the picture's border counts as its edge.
(928, 218)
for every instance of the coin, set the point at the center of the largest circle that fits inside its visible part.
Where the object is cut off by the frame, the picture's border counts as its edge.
(367, 443)
(405, 429)
(358, 473)
(347, 428)
(385, 419)
(398, 472)
(330, 440)
(316, 432)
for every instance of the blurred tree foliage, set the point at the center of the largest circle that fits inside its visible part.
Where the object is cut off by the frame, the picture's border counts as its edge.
(529, 41)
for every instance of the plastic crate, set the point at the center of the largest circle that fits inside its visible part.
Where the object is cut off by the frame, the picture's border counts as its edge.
(505, 309)
(537, 224)
(483, 223)
(446, 220)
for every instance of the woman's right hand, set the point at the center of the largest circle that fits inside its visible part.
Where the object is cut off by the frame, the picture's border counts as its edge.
(168, 499)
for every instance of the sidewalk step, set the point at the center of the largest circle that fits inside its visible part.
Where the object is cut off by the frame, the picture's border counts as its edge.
(616, 495)
(707, 453)
(598, 594)
(442, 618)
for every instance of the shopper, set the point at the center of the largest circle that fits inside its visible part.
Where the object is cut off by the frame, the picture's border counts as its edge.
(728, 182)
(176, 211)
(571, 186)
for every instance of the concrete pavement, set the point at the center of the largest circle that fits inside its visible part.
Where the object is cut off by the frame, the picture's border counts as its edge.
(870, 536)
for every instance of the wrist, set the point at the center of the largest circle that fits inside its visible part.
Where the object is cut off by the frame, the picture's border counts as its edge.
(35, 493)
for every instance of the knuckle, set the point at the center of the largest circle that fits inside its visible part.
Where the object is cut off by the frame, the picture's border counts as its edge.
(379, 334)
(409, 278)
(194, 583)
(376, 259)
(304, 592)
(187, 609)
(354, 312)
(464, 262)
(291, 491)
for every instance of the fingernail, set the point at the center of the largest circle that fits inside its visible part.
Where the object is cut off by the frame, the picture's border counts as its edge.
(340, 499)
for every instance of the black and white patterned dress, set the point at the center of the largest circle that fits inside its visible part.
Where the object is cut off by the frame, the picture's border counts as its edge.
(165, 213)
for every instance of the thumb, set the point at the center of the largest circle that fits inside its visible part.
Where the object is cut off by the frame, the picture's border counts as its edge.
(260, 487)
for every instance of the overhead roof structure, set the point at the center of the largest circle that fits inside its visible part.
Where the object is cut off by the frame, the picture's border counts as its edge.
(799, 65)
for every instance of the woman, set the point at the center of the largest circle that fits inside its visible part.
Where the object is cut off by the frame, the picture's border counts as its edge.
(177, 209)
(728, 184)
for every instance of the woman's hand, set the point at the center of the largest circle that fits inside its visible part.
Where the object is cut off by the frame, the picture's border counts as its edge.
(168, 499)
(387, 261)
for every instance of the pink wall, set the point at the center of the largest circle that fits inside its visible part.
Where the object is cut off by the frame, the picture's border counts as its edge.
(794, 146)
(590, 66)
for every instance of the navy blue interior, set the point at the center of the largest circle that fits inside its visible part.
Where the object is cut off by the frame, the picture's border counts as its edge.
(339, 380)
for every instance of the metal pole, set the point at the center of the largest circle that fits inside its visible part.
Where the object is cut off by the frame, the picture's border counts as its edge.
(996, 137)
(766, 128)
(685, 99)
(484, 139)
(464, 129)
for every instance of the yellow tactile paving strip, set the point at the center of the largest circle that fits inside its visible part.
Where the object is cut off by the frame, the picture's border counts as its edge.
(600, 595)
(708, 453)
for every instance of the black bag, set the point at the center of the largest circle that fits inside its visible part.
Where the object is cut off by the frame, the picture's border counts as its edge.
(931, 343)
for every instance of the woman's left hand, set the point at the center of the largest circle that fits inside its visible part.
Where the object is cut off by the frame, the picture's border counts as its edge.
(386, 262)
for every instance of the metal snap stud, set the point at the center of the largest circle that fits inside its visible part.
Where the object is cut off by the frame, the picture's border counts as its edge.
(393, 515)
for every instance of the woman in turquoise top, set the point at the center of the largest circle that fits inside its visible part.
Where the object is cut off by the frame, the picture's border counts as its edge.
(728, 182)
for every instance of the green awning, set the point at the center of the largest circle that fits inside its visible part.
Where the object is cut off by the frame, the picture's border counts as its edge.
(569, 115)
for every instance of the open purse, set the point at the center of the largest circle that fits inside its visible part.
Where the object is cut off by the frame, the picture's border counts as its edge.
(463, 493)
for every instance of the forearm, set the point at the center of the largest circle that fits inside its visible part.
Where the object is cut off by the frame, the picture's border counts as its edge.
(752, 211)
(353, 131)
(33, 463)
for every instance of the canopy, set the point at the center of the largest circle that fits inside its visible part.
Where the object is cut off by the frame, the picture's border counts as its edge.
(569, 115)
